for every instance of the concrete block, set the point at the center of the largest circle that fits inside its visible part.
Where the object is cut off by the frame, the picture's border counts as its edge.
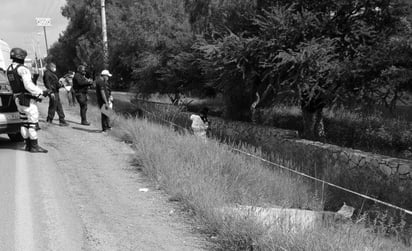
(288, 219)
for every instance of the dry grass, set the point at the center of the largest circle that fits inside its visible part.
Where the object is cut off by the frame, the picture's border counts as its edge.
(207, 175)
(181, 161)
(204, 176)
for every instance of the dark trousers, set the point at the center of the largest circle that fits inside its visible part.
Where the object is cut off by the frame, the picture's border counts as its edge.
(105, 122)
(105, 119)
(82, 100)
(55, 106)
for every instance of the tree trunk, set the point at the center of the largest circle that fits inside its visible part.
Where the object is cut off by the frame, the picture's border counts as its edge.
(254, 113)
(313, 127)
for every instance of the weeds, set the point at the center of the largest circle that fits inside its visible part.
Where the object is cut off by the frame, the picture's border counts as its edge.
(207, 176)
(368, 132)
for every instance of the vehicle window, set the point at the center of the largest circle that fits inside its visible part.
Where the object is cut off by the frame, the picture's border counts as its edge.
(4, 83)
(3, 77)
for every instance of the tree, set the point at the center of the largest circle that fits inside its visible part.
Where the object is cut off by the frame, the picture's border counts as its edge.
(230, 65)
(326, 52)
(80, 42)
(322, 52)
(138, 32)
(344, 60)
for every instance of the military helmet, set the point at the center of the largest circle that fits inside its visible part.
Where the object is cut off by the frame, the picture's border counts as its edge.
(18, 53)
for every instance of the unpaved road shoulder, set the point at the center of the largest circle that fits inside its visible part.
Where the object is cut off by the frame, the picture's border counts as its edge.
(104, 190)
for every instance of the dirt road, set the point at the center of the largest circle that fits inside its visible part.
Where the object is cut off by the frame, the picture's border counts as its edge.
(83, 195)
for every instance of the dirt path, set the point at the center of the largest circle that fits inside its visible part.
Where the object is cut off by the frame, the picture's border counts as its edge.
(104, 188)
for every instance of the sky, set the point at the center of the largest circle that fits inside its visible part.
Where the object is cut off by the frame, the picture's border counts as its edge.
(18, 23)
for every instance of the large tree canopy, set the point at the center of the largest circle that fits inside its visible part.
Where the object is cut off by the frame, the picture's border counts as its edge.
(321, 53)
(142, 37)
(326, 52)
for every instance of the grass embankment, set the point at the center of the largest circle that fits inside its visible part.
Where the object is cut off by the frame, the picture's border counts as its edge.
(205, 176)
(377, 132)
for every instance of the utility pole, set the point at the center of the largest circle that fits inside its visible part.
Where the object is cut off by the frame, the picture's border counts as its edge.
(35, 56)
(45, 39)
(104, 33)
(39, 53)
(44, 21)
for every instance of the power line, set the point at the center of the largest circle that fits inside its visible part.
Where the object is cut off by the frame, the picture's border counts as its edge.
(50, 8)
(45, 10)
(294, 171)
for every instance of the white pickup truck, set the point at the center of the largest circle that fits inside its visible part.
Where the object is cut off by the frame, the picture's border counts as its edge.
(4, 55)
(9, 116)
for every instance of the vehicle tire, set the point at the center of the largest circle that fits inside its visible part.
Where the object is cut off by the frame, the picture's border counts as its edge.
(15, 137)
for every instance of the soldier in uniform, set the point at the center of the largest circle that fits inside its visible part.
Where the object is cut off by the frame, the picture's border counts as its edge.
(26, 95)
(81, 85)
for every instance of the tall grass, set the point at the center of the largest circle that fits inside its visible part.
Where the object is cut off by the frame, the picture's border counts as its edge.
(206, 176)
(182, 161)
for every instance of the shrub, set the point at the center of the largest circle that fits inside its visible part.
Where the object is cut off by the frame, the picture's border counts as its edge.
(372, 132)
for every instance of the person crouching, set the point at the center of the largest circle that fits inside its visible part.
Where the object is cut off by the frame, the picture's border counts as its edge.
(200, 123)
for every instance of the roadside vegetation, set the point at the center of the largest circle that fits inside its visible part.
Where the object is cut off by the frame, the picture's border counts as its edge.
(315, 54)
(206, 176)
(371, 132)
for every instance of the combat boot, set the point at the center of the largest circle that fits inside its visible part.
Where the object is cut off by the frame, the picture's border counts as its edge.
(63, 123)
(28, 144)
(35, 148)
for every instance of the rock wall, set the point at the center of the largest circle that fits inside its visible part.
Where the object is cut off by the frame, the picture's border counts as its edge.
(383, 177)
(271, 139)
(352, 158)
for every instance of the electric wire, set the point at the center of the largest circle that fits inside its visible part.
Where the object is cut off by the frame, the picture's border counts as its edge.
(409, 212)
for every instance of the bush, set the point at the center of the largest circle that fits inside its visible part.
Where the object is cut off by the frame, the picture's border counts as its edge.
(372, 133)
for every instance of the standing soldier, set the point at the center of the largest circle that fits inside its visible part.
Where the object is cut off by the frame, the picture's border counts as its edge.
(26, 94)
(51, 81)
(81, 85)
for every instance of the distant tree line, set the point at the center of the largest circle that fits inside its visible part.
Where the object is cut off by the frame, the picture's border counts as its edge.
(321, 53)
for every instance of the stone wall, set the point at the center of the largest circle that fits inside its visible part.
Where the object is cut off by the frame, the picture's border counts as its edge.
(271, 138)
(358, 159)
(383, 177)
